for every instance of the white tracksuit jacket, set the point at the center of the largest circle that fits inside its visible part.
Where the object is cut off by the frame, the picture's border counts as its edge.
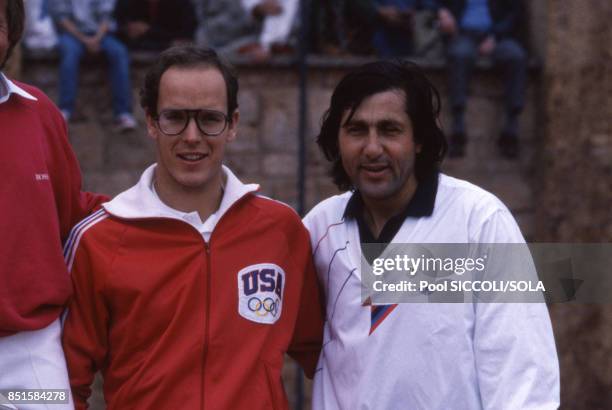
(429, 356)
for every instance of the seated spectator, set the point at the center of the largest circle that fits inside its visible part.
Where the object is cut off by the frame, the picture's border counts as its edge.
(254, 28)
(394, 26)
(278, 19)
(365, 27)
(323, 28)
(485, 28)
(155, 24)
(39, 30)
(86, 26)
(341, 27)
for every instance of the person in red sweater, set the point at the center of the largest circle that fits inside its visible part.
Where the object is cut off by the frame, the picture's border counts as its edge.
(190, 287)
(40, 201)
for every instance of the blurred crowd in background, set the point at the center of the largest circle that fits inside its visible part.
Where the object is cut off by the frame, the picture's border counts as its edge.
(262, 28)
(256, 30)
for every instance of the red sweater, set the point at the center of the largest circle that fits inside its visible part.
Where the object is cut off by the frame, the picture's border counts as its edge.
(40, 200)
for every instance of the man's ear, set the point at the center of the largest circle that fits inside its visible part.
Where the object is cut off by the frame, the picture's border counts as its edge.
(151, 126)
(233, 126)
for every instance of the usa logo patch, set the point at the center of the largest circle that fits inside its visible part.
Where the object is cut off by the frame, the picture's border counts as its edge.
(260, 292)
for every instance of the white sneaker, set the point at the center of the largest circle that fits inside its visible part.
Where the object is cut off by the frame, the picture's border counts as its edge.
(126, 122)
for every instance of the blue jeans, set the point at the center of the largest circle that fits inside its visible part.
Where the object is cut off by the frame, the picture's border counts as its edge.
(72, 50)
(389, 42)
(508, 54)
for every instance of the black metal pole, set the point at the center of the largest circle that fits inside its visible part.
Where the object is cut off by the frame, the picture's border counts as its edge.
(304, 44)
(303, 101)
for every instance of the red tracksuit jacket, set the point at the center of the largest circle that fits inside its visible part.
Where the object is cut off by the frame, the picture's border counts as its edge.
(175, 322)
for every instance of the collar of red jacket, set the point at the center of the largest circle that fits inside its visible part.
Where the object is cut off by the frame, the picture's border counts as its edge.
(140, 202)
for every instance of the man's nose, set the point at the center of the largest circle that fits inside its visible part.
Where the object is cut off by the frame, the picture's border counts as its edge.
(373, 148)
(192, 133)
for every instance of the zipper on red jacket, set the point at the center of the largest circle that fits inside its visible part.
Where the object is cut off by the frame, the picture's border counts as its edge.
(208, 283)
(207, 324)
(208, 286)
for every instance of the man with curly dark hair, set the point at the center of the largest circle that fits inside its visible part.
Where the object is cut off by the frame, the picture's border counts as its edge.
(382, 137)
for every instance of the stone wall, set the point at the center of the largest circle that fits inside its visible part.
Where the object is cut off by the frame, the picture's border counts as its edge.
(575, 182)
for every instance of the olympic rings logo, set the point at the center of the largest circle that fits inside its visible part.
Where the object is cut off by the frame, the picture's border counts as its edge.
(265, 307)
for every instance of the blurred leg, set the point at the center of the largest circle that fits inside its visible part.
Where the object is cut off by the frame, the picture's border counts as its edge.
(121, 86)
(71, 52)
(462, 53)
(512, 58)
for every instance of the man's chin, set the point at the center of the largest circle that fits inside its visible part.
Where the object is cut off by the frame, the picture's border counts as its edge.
(193, 184)
(377, 193)
(188, 182)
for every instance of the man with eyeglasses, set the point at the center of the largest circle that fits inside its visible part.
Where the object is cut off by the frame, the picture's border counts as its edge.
(189, 288)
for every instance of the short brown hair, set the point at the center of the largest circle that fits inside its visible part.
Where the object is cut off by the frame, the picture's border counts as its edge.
(187, 56)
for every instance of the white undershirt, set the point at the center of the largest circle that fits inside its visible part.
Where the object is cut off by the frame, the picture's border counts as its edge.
(192, 218)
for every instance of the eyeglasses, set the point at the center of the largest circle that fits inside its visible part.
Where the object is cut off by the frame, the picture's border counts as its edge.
(209, 122)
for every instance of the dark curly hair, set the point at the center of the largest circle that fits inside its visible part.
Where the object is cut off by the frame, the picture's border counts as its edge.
(15, 19)
(187, 56)
(422, 106)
